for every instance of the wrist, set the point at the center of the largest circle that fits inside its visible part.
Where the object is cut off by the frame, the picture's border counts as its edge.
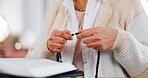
(121, 40)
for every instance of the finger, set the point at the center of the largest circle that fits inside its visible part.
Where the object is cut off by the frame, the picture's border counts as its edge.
(57, 50)
(56, 45)
(67, 31)
(63, 34)
(97, 46)
(85, 33)
(53, 49)
(94, 44)
(90, 39)
(98, 49)
(57, 39)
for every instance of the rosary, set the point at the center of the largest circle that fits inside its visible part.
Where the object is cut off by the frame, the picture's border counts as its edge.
(75, 33)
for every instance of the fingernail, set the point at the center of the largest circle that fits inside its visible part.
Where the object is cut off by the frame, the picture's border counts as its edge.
(68, 32)
(81, 31)
(66, 41)
(71, 38)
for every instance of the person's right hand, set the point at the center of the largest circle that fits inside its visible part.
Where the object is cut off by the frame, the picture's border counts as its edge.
(57, 40)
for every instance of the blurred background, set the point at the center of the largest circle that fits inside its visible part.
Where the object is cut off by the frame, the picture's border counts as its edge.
(20, 23)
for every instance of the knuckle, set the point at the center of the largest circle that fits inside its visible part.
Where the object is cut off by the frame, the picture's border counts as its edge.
(88, 45)
(60, 46)
(61, 34)
(83, 41)
(63, 40)
(50, 44)
(50, 39)
(54, 31)
(52, 35)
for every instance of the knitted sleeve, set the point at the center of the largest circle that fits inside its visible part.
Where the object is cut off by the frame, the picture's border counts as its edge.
(131, 46)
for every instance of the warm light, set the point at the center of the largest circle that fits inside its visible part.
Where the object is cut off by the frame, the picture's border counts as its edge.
(4, 32)
(18, 45)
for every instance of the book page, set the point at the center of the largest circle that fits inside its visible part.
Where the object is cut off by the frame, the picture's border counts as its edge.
(27, 63)
(33, 67)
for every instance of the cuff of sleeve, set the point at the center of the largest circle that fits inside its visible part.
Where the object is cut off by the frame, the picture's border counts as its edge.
(46, 53)
(128, 54)
(121, 39)
(142, 75)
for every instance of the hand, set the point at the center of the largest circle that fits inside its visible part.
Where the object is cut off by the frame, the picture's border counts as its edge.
(99, 38)
(57, 40)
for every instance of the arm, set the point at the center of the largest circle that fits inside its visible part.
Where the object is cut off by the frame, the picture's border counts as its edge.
(131, 46)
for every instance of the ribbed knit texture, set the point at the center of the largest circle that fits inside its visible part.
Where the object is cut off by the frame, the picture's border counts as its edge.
(131, 49)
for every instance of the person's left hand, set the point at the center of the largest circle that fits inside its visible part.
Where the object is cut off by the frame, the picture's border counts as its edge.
(98, 38)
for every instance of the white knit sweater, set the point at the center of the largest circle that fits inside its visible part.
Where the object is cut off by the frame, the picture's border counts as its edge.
(130, 50)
